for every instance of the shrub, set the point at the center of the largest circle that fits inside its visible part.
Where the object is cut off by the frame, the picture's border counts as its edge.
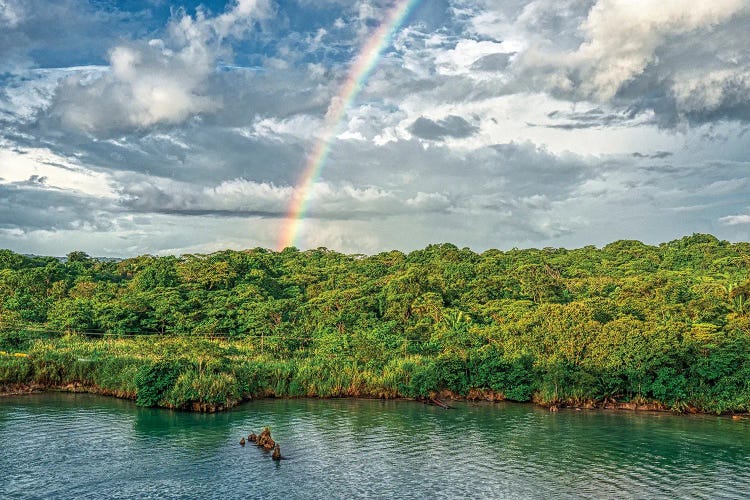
(13, 340)
(154, 380)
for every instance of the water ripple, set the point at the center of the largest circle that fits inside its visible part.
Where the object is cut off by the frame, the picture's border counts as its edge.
(62, 445)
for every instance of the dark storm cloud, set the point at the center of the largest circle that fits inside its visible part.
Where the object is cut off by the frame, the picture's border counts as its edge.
(593, 118)
(450, 126)
(29, 206)
(492, 62)
(659, 155)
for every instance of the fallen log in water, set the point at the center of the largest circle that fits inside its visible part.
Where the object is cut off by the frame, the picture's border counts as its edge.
(439, 403)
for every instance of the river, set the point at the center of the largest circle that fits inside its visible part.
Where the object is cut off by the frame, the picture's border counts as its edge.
(79, 445)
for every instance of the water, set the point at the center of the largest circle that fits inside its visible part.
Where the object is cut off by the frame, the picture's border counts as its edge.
(66, 445)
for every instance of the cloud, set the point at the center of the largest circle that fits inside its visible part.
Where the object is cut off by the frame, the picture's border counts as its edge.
(621, 38)
(595, 117)
(467, 53)
(658, 155)
(492, 63)
(161, 81)
(21, 165)
(735, 220)
(714, 94)
(488, 124)
(685, 64)
(429, 201)
(450, 126)
(63, 33)
(11, 13)
(148, 194)
(26, 94)
(30, 205)
(241, 197)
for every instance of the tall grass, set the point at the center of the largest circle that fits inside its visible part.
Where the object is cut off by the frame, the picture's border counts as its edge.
(208, 375)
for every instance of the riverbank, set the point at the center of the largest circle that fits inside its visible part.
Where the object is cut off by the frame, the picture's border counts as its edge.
(213, 375)
(474, 396)
(24, 389)
(33, 388)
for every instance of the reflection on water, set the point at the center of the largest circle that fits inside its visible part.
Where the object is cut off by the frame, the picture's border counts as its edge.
(65, 445)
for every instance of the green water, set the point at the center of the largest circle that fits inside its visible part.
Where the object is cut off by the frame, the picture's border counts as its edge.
(65, 445)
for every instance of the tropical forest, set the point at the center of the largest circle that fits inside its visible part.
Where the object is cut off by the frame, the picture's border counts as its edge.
(630, 323)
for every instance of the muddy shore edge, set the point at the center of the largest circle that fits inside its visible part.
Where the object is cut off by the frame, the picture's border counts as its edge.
(475, 395)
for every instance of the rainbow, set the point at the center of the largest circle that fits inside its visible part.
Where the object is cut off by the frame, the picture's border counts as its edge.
(358, 74)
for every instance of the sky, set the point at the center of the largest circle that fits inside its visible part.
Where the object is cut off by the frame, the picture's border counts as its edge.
(168, 127)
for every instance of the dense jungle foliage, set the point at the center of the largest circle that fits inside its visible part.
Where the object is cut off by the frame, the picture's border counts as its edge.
(627, 322)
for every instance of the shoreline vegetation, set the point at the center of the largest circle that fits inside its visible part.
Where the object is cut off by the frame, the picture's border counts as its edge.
(629, 326)
(474, 395)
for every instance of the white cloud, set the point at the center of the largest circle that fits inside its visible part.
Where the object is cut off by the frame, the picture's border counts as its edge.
(11, 13)
(429, 201)
(52, 171)
(621, 37)
(341, 236)
(684, 60)
(708, 91)
(239, 19)
(26, 93)
(148, 194)
(735, 220)
(162, 81)
(241, 196)
(459, 60)
(153, 234)
(301, 126)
